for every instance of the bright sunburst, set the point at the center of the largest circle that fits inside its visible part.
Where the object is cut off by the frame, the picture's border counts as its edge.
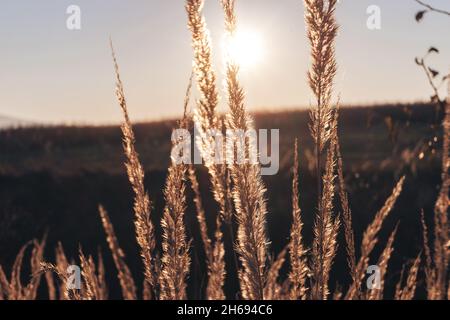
(245, 48)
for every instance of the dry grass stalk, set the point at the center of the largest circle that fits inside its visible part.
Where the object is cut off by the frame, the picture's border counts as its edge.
(205, 117)
(325, 228)
(249, 190)
(377, 294)
(50, 286)
(4, 285)
(13, 289)
(208, 124)
(408, 292)
(430, 272)
(143, 225)
(175, 258)
(93, 280)
(370, 239)
(201, 216)
(297, 252)
(346, 215)
(215, 252)
(436, 267)
(216, 266)
(48, 269)
(124, 274)
(337, 295)
(89, 286)
(321, 31)
(146, 291)
(37, 256)
(273, 289)
(65, 292)
(448, 291)
(441, 228)
(102, 276)
(60, 269)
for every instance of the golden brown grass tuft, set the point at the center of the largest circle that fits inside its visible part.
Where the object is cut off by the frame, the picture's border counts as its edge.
(13, 289)
(248, 191)
(205, 117)
(124, 274)
(240, 193)
(216, 266)
(436, 269)
(215, 251)
(370, 240)
(208, 125)
(441, 228)
(321, 31)
(407, 293)
(377, 293)
(273, 289)
(93, 279)
(346, 215)
(143, 225)
(175, 259)
(297, 251)
(326, 227)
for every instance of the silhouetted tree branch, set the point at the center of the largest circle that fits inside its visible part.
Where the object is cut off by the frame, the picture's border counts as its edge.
(432, 75)
(420, 14)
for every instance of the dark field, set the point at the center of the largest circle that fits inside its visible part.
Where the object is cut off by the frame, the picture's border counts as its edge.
(52, 180)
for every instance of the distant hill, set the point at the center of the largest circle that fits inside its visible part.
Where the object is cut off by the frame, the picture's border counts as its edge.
(370, 137)
(10, 122)
(52, 180)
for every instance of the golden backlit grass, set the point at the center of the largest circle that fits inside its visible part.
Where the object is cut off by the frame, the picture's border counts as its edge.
(240, 194)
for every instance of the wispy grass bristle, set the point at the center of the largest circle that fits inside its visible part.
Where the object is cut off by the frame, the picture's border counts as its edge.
(297, 251)
(123, 272)
(377, 293)
(249, 190)
(143, 224)
(240, 195)
(370, 239)
(408, 292)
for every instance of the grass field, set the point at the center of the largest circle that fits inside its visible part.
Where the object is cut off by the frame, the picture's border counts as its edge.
(52, 180)
(357, 211)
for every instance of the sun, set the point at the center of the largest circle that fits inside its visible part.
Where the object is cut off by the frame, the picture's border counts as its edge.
(244, 48)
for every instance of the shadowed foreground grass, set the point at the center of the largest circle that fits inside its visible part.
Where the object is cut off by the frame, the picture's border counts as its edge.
(52, 180)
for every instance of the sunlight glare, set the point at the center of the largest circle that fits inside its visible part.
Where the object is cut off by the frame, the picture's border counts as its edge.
(245, 48)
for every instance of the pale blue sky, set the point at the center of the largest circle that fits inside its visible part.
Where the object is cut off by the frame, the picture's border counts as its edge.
(51, 74)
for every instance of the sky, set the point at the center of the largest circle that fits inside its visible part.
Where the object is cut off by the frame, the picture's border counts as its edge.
(51, 74)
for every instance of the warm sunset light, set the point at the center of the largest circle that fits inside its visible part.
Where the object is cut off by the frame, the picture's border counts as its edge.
(246, 48)
(225, 159)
